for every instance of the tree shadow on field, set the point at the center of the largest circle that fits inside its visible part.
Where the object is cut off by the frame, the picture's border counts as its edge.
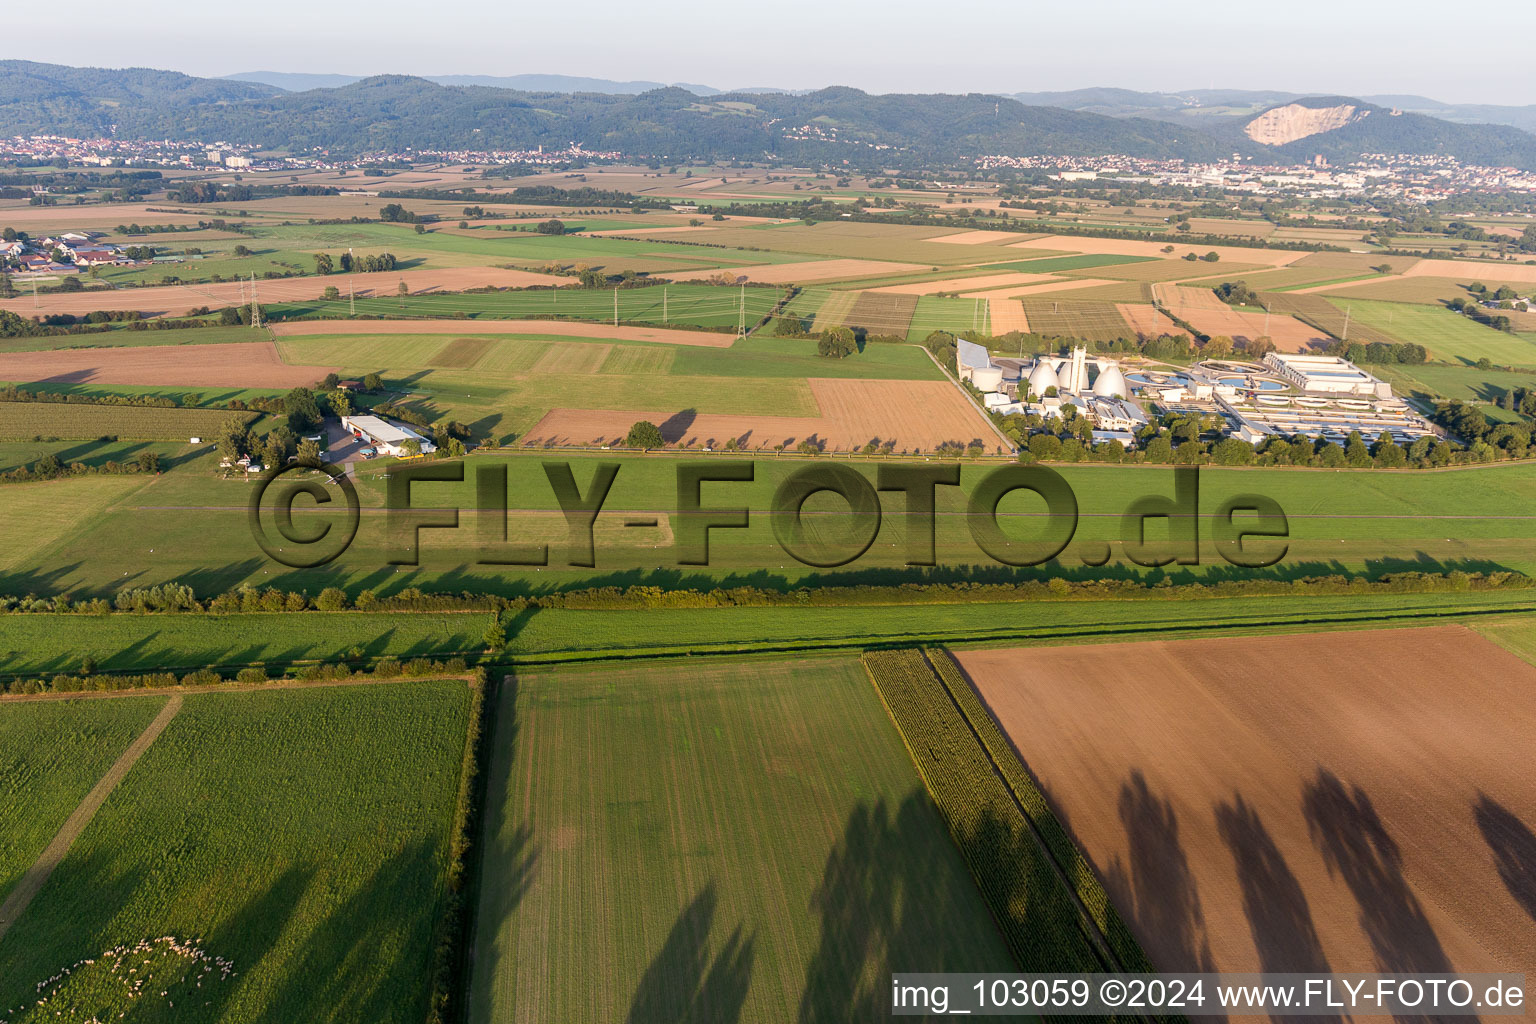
(675, 427)
(890, 896)
(1356, 847)
(508, 859)
(1155, 887)
(1279, 916)
(682, 985)
(366, 960)
(1514, 850)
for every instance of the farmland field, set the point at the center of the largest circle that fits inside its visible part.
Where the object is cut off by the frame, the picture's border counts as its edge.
(1448, 335)
(255, 364)
(945, 314)
(53, 753)
(1346, 783)
(21, 420)
(883, 314)
(1065, 318)
(300, 834)
(1325, 316)
(915, 415)
(193, 526)
(40, 645)
(1464, 382)
(737, 841)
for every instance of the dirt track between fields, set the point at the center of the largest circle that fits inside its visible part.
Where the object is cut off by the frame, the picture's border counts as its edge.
(32, 881)
(1350, 801)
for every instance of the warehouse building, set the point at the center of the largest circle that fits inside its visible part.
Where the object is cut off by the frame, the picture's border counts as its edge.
(387, 437)
(1328, 375)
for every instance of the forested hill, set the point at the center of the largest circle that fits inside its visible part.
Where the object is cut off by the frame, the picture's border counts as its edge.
(394, 113)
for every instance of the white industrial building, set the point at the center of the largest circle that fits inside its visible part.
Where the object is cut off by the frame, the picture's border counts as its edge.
(1328, 375)
(1069, 375)
(389, 438)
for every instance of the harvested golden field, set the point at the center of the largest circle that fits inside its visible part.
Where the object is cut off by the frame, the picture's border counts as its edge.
(977, 238)
(1179, 298)
(1461, 271)
(1007, 315)
(242, 365)
(1349, 801)
(1356, 262)
(546, 328)
(178, 299)
(1166, 270)
(1045, 287)
(913, 414)
(1126, 247)
(1000, 279)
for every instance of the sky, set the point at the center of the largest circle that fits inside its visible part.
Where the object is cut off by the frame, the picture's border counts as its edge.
(1322, 47)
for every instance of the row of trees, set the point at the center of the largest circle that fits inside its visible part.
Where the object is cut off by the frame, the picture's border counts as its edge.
(347, 263)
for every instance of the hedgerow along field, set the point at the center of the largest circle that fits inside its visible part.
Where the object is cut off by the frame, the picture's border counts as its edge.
(54, 751)
(252, 831)
(24, 420)
(741, 840)
(39, 645)
(1052, 911)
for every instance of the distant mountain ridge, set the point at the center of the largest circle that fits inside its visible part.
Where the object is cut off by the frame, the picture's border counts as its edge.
(395, 113)
(1198, 104)
(290, 81)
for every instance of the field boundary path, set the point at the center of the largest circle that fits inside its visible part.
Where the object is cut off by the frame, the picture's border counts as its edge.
(1008, 442)
(1086, 922)
(32, 881)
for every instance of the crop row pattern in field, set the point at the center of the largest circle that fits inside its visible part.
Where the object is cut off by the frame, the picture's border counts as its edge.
(1039, 920)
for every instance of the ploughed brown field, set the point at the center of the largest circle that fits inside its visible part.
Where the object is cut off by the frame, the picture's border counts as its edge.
(240, 365)
(1288, 333)
(543, 328)
(1147, 321)
(178, 299)
(913, 414)
(1351, 801)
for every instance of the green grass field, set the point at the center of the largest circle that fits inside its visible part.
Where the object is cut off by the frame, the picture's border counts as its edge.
(958, 316)
(189, 525)
(697, 305)
(95, 453)
(741, 841)
(1449, 336)
(44, 645)
(301, 835)
(502, 386)
(1464, 382)
(123, 337)
(51, 754)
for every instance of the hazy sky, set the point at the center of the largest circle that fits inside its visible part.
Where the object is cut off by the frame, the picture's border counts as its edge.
(1315, 46)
